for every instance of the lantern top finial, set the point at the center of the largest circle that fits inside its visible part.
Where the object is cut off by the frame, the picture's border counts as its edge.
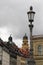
(31, 8)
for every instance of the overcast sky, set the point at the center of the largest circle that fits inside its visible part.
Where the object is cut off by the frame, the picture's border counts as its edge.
(14, 19)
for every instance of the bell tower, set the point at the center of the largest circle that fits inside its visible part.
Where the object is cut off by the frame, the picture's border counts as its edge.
(25, 44)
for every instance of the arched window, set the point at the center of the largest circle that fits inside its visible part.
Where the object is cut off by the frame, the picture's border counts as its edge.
(40, 50)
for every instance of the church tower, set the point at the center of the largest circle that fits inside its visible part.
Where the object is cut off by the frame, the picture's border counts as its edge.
(25, 44)
(25, 50)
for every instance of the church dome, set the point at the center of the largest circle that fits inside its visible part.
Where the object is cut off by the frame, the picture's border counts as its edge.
(25, 36)
(10, 38)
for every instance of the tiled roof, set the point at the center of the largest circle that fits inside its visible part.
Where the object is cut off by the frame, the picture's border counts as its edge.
(25, 52)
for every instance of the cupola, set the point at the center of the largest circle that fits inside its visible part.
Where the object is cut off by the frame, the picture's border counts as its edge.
(10, 38)
(25, 36)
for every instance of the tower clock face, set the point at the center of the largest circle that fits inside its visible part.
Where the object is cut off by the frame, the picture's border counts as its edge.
(40, 49)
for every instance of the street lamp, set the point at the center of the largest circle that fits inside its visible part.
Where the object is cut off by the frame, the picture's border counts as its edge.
(31, 14)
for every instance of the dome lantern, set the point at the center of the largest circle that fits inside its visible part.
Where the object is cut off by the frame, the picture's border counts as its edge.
(25, 36)
(10, 38)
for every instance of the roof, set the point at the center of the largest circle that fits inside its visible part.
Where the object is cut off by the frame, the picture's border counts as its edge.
(25, 36)
(14, 50)
(25, 52)
(36, 37)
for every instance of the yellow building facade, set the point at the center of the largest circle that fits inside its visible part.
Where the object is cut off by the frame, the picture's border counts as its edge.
(38, 49)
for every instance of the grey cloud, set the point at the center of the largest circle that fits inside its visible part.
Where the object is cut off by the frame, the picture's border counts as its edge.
(13, 15)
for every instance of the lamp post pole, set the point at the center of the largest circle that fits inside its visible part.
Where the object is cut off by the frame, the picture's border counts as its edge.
(31, 19)
(31, 13)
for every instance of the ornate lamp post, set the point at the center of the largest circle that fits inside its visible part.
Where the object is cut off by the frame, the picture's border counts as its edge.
(31, 13)
(31, 19)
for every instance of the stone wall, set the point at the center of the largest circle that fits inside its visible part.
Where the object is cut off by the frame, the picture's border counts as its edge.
(5, 58)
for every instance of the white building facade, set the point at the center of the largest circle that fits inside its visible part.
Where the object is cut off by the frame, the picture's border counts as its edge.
(4, 57)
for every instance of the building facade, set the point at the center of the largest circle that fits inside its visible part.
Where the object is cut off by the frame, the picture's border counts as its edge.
(38, 49)
(7, 52)
(4, 54)
(10, 54)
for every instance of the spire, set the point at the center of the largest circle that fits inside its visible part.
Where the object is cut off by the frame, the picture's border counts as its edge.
(25, 36)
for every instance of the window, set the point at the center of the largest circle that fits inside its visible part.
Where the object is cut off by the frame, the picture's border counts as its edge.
(0, 54)
(0, 57)
(0, 62)
(40, 50)
(0, 48)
